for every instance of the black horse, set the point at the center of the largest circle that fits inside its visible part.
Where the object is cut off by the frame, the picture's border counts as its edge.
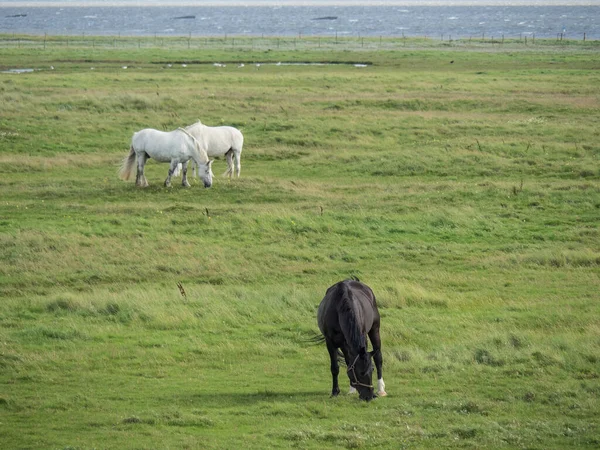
(347, 313)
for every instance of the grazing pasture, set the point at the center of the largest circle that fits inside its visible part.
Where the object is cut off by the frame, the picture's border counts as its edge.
(461, 184)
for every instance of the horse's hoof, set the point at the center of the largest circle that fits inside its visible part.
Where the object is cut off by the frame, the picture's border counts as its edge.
(382, 393)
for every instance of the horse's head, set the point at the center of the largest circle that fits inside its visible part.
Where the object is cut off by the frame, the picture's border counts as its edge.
(360, 373)
(205, 173)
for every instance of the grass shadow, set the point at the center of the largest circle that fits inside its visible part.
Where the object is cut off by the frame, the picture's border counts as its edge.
(220, 399)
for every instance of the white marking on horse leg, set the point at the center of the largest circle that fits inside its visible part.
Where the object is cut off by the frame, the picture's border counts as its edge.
(352, 390)
(381, 388)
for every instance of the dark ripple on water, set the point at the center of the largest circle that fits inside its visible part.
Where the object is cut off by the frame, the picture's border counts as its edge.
(431, 21)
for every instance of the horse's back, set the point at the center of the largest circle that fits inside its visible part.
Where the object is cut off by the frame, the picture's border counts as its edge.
(224, 138)
(160, 145)
(336, 295)
(150, 135)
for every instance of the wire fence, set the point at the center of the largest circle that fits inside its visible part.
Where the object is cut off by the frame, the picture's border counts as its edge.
(263, 43)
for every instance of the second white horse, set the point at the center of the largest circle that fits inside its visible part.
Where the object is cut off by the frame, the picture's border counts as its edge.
(219, 141)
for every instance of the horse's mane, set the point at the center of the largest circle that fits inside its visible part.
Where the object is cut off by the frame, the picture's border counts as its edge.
(347, 312)
(195, 124)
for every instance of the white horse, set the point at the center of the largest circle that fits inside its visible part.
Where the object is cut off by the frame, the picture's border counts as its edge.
(175, 147)
(219, 141)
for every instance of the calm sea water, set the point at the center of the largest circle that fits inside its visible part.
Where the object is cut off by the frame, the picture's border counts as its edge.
(431, 21)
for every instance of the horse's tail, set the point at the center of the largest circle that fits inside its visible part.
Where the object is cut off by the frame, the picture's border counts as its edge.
(347, 314)
(229, 171)
(127, 166)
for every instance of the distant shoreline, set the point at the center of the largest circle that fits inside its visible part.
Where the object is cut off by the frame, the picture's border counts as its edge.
(250, 3)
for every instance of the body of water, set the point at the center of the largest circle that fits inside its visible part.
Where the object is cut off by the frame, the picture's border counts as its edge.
(359, 21)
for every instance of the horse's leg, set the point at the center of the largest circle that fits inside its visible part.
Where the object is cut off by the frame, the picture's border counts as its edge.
(352, 389)
(184, 180)
(172, 168)
(177, 170)
(229, 156)
(378, 359)
(238, 162)
(140, 178)
(335, 368)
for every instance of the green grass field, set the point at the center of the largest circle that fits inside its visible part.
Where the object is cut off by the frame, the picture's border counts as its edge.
(462, 183)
